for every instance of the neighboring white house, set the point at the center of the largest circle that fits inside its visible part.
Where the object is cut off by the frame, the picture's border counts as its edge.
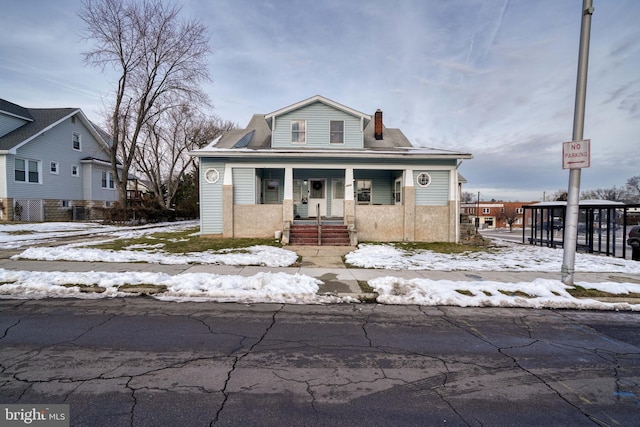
(54, 165)
(320, 160)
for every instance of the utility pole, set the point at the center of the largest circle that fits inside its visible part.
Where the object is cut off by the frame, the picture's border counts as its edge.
(573, 198)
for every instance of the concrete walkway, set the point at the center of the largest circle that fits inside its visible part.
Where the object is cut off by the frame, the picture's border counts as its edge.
(326, 264)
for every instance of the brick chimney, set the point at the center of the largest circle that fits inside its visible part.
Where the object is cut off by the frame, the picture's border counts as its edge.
(377, 128)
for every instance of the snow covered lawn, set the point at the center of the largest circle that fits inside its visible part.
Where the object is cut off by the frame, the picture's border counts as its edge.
(295, 288)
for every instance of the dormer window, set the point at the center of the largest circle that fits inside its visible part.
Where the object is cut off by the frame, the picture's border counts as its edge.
(299, 131)
(337, 132)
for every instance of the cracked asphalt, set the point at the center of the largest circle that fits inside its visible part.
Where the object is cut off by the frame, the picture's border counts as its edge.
(143, 362)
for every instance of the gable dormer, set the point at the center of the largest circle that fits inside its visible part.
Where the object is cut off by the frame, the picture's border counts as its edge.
(317, 123)
(12, 116)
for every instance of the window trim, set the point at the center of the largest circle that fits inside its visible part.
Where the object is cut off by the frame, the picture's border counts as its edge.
(420, 183)
(75, 170)
(73, 141)
(106, 180)
(357, 192)
(26, 171)
(332, 132)
(56, 166)
(299, 132)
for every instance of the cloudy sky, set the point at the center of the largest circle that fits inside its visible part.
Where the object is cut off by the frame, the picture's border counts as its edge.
(495, 78)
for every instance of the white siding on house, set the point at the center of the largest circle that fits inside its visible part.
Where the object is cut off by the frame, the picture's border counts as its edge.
(211, 198)
(318, 117)
(437, 193)
(3, 172)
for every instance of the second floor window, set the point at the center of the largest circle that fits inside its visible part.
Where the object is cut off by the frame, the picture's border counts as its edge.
(486, 211)
(337, 132)
(299, 131)
(27, 171)
(53, 168)
(76, 141)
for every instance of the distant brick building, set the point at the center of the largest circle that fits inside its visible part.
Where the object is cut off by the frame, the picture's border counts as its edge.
(495, 214)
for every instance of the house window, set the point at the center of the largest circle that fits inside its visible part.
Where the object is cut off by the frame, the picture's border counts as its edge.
(107, 180)
(108, 204)
(297, 190)
(363, 191)
(75, 170)
(337, 132)
(520, 211)
(76, 141)
(27, 171)
(272, 191)
(397, 191)
(54, 167)
(423, 179)
(486, 211)
(211, 175)
(66, 203)
(299, 131)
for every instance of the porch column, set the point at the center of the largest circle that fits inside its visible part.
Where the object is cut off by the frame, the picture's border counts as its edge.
(287, 202)
(409, 198)
(349, 203)
(227, 203)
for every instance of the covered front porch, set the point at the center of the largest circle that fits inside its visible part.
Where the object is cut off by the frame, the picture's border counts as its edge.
(373, 202)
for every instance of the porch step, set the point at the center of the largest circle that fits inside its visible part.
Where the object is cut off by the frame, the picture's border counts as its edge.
(303, 234)
(332, 235)
(335, 235)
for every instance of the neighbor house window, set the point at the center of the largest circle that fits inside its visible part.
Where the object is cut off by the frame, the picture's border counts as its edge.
(76, 141)
(107, 180)
(486, 211)
(27, 171)
(519, 210)
(423, 179)
(66, 203)
(75, 170)
(54, 167)
(299, 131)
(363, 191)
(337, 132)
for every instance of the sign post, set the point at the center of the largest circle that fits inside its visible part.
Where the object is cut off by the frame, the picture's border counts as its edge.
(576, 147)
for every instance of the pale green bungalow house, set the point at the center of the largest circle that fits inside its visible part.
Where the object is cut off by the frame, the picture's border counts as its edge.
(307, 169)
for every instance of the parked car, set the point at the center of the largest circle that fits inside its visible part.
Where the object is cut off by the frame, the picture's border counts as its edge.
(634, 237)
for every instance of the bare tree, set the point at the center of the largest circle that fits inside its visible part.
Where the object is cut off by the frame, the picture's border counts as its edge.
(163, 155)
(632, 189)
(508, 215)
(160, 62)
(614, 193)
(560, 196)
(467, 197)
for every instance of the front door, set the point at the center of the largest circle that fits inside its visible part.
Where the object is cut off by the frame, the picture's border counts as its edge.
(317, 197)
(337, 197)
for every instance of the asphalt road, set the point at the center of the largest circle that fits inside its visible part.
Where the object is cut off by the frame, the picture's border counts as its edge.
(143, 362)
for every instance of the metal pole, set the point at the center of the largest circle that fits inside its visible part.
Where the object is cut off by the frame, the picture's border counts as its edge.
(573, 199)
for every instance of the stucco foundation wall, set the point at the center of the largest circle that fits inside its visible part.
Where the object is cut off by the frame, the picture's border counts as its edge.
(433, 224)
(260, 221)
(380, 223)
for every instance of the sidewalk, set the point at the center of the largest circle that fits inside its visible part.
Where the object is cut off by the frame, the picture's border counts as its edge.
(324, 263)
